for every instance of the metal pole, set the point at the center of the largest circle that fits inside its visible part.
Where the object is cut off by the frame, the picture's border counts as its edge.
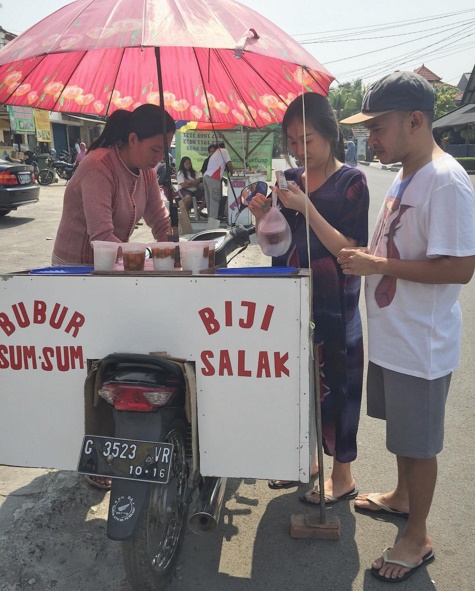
(168, 182)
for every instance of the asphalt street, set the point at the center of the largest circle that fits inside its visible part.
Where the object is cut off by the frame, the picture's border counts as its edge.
(251, 548)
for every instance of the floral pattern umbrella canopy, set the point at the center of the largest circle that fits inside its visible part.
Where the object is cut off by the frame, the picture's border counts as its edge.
(220, 61)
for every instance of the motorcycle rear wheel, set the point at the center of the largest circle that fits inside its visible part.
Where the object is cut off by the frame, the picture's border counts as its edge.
(150, 554)
(45, 176)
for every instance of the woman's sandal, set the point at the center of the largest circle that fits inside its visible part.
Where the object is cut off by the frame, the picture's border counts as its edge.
(98, 482)
(281, 484)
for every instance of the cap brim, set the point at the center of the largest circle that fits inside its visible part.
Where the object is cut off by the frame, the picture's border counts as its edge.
(361, 117)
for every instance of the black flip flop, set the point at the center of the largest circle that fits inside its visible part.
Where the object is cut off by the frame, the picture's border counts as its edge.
(329, 499)
(429, 557)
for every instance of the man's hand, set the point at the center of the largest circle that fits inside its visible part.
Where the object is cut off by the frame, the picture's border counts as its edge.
(358, 261)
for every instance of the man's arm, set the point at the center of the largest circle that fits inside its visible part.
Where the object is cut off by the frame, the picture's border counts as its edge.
(443, 269)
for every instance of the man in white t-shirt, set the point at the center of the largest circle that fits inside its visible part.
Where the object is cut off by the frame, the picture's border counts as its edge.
(217, 164)
(423, 250)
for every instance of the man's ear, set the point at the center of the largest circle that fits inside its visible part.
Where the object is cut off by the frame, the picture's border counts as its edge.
(416, 120)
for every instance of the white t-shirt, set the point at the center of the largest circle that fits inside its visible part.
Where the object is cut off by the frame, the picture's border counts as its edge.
(415, 328)
(217, 163)
(180, 179)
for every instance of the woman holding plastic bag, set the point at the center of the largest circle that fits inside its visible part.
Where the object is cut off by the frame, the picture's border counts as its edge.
(337, 208)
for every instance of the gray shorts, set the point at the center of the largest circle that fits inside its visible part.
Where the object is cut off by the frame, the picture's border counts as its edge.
(413, 408)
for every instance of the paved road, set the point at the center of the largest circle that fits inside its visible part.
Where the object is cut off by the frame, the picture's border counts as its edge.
(251, 548)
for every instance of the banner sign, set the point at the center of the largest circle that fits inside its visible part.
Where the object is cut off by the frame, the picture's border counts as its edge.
(21, 119)
(254, 148)
(43, 125)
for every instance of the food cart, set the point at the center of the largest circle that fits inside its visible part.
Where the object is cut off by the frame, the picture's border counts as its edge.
(248, 336)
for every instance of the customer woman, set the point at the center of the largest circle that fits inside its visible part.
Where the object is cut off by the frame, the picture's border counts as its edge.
(188, 185)
(115, 186)
(337, 208)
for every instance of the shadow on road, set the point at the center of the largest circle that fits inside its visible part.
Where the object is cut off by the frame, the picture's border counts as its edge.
(12, 222)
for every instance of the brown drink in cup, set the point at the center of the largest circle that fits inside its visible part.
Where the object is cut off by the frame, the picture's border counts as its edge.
(133, 255)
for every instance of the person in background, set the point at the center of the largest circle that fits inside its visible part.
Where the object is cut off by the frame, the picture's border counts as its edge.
(211, 150)
(161, 170)
(82, 153)
(337, 204)
(422, 251)
(115, 186)
(350, 154)
(218, 163)
(188, 185)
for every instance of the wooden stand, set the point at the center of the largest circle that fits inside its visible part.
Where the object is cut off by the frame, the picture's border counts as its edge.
(310, 526)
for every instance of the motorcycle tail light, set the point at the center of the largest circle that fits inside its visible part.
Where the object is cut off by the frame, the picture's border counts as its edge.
(136, 398)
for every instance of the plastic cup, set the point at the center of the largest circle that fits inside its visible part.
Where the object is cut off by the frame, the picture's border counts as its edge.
(211, 244)
(105, 255)
(194, 255)
(133, 254)
(163, 254)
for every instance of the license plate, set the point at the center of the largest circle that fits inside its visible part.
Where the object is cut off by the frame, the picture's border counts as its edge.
(128, 459)
(24, 178)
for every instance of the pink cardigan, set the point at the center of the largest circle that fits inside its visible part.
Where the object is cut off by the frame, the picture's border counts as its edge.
(103, 201)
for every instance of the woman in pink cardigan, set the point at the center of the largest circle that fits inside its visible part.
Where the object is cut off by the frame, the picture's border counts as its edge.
(115, 186)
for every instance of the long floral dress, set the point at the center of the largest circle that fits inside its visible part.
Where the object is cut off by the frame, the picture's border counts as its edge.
(343, 201)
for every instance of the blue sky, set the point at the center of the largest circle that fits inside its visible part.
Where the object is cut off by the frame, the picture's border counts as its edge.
(352, 39)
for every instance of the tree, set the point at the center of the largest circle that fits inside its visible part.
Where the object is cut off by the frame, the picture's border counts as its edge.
(444, 99)
(347, 98)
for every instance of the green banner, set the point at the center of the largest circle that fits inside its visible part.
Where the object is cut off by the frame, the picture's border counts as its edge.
(21, 119)
(252, 148)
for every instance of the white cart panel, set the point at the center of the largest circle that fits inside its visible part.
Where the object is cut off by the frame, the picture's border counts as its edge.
(248, 337)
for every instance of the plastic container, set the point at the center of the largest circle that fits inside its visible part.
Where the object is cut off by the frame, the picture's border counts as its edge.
(211, 245)
(194, 255)
(105, 255)
(163, 254)
(133, 255)
(66, 270)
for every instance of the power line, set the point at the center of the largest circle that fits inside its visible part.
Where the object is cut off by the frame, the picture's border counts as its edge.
(392, 24)
(345, 39)
(399, 44)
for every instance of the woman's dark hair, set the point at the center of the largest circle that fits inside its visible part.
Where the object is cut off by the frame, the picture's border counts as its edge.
(319, 114)
(187, 173)
(146, 121)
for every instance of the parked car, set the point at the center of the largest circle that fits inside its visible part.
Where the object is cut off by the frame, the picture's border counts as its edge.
(18, 186)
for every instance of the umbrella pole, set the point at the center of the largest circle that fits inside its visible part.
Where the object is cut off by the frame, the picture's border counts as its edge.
(168, 183)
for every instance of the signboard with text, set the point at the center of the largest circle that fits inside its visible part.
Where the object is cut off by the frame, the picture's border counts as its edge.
(43, 125)
(250, 347)
(252, 147)
(21, 119)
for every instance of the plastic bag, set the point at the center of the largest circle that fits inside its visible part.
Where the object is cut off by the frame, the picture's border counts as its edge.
(273, 233)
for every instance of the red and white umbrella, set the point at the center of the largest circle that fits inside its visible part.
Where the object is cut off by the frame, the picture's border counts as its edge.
(215, 60)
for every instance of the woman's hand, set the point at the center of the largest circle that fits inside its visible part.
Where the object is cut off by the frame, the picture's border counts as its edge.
(294, 198)
(259, 206)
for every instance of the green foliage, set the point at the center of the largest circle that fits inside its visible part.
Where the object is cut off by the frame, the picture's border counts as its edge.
(468, 134)
(467, 163)
(346, 99)
(444, 100)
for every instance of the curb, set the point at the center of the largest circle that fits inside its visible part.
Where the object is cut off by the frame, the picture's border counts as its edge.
(391, 167)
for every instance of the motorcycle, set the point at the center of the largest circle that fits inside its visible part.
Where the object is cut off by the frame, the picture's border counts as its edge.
(152, 455)
(63, 169)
